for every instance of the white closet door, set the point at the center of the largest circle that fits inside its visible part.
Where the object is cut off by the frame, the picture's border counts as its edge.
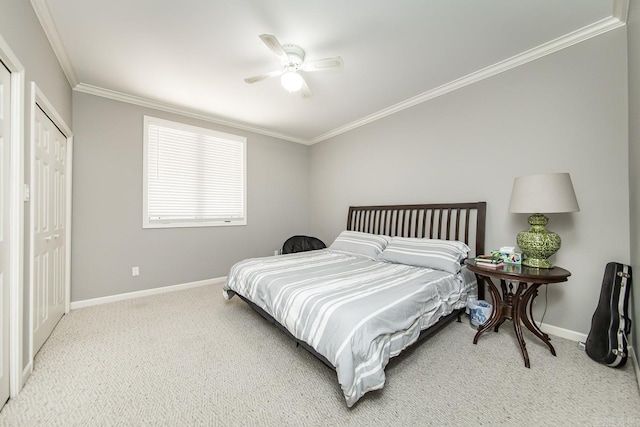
(49, 227)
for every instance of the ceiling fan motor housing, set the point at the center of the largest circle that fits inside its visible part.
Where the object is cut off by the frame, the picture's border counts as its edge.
(295, 55)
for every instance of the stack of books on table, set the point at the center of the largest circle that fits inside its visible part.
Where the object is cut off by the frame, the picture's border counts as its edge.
(489, 261)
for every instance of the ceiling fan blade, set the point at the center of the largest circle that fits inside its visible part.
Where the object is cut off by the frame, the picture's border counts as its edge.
(265, 76)
(306, 92)
(272, 43)
(323, 64)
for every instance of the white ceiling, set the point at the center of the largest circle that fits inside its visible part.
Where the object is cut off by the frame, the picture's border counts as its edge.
(191, 56)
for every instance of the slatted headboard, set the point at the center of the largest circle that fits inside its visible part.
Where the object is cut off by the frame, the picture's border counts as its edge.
(449, 221)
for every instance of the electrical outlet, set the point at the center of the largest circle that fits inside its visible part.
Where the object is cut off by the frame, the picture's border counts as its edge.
(135, 271)
(276, 252)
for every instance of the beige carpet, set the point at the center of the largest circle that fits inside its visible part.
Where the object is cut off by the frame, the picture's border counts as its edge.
(191, 358)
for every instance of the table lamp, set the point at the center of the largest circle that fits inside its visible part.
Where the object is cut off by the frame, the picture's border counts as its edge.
(537, 195)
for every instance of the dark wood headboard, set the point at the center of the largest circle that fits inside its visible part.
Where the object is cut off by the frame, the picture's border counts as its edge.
(449, 221)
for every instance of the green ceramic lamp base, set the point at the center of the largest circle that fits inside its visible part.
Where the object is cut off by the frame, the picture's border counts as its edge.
(538, 244)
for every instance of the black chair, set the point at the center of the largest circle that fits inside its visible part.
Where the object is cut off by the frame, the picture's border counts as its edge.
(302, 244)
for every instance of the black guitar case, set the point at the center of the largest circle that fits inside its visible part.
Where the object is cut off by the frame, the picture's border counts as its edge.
(610, 324)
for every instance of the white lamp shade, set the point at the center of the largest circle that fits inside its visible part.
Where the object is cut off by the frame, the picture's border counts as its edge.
(549, 193)
(291, 81)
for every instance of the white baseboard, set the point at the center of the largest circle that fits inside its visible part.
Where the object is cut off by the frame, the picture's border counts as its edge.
(549, 329)
(563, 333)
(636, 366)
(145, 293)
(577, 336)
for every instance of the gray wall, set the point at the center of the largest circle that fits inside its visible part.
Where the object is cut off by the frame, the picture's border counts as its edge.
(566, 112)
(108, 238)
(20, 28)
(633, 35)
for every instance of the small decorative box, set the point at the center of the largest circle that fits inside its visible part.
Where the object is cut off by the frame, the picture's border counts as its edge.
(509, 257)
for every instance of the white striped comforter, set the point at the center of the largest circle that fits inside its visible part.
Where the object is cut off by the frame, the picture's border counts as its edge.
(353, 310)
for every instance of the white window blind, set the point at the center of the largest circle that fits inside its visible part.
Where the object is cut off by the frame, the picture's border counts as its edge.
(193, 176)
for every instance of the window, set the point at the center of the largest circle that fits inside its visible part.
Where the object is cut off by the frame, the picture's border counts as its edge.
(193, 177)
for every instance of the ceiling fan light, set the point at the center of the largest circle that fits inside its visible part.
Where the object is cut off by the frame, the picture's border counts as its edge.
(291, 81)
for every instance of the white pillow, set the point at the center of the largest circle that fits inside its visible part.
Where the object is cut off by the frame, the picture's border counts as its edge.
(356, 242)
(443, 255)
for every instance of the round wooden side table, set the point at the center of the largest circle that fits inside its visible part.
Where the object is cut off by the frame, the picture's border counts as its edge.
(516, 306)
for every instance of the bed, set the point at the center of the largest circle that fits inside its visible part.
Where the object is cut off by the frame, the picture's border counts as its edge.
(394, 276)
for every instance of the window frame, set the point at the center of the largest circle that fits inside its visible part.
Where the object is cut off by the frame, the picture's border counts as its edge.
(168, 223)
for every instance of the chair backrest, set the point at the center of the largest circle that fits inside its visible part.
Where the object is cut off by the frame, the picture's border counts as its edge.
(302, 244)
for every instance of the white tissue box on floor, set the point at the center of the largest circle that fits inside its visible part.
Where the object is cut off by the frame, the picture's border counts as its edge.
(479, 311)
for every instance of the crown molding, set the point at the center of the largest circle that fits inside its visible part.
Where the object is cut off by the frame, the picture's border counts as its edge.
(618, 19)
(621, 10)
(548, 48)
(170, 108)
(43, 13)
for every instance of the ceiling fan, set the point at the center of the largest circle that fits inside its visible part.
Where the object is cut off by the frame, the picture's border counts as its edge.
(292, 59)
